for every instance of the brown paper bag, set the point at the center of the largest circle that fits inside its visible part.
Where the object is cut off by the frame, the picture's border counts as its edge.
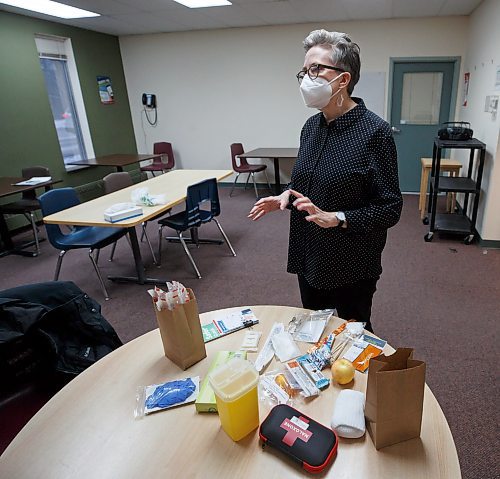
(181, 334)
(394, 397)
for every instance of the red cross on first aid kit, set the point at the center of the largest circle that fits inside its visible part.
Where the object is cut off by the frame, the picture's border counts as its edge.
(295, 431)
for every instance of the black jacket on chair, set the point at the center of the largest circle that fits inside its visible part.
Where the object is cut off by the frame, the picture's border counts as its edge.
(51, 327)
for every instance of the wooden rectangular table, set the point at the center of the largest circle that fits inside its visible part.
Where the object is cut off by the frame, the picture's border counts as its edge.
(8, 187)
(447, 165)
(118, 160)
(275, 154)
(172, 185)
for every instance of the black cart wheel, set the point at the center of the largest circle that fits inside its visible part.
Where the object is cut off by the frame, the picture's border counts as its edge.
(428, 237)
(469, 239)
(425, 221)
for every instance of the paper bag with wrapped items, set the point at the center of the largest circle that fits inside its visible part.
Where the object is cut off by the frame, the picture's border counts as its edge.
(394, 397)
(180, 331)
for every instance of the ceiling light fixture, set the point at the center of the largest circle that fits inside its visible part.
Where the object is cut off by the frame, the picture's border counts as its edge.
(203, 3)
(48, 7)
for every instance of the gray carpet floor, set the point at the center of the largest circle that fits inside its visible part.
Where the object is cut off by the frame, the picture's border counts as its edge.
(441, 298)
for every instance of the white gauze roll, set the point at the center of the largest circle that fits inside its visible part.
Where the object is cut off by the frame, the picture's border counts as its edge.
(348, 418)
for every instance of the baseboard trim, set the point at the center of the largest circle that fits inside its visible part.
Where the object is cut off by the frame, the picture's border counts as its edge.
(492, 244)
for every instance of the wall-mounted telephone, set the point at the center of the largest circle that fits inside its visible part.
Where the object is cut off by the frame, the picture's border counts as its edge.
(149, 100)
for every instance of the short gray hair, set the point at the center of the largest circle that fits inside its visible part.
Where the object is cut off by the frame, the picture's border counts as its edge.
(345, 53)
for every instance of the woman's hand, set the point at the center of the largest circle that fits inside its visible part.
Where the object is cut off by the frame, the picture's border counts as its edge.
(322, 218)
(268, 204)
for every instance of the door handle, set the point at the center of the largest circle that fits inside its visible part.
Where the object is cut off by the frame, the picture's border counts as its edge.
(395, 130)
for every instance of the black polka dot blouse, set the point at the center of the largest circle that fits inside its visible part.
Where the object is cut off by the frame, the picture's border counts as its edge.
(348, 165)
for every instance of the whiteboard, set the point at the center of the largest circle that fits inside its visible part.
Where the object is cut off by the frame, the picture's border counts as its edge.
(371, 88)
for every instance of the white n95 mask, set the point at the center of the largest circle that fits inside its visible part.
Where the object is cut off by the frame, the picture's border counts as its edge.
(317, 93)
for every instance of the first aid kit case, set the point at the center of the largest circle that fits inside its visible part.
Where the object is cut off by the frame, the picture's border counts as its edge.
(303, 439)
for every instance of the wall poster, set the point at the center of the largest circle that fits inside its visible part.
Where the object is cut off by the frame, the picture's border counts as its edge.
(466, 87)
(105, 90)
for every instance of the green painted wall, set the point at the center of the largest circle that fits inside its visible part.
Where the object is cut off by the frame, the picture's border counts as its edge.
(27, 132)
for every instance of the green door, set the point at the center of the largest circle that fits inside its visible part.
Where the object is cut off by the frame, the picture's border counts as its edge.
(421, 99)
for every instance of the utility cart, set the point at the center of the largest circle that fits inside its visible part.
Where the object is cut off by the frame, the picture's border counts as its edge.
(456, 223)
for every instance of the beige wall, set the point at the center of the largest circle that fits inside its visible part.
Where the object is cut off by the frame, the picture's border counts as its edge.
(223, 86)
(481, 60)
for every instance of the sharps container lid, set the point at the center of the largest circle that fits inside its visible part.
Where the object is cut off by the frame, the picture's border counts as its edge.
(233, 379)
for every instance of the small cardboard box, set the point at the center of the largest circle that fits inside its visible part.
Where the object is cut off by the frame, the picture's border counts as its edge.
(206, 398)
(123, 214)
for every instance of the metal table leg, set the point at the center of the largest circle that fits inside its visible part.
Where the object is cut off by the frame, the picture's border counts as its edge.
(141, 278)
(277, 181)
(8, 244)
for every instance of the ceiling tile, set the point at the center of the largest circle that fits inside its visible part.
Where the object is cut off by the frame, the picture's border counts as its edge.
(196, 19)
(160, 22)
(411, 8)
(321, 10)
(149, 5)
(459, 7)
(107, 7)
(365, 10)
(106, 24)
(233, 16)
(275, 13)
(124, 17)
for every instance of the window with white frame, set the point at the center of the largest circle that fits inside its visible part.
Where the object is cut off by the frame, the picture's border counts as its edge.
(65, 98)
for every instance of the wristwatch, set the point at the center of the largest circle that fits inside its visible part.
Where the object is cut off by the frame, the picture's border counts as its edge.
(341, 217)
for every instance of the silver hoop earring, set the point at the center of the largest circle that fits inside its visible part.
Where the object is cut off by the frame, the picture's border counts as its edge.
(340, 100)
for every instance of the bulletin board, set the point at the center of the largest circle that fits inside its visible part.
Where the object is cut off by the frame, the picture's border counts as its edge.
(371, 88)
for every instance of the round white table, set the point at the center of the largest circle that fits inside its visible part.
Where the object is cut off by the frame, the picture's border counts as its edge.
(88, 430)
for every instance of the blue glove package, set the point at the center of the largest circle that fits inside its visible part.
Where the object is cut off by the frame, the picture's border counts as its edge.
(164, 396)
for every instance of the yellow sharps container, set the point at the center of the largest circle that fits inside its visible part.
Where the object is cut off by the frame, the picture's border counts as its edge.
(235, 387)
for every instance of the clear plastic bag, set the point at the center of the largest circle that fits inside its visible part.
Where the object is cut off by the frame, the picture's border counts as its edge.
(278, 387)
(285, 347)
(308, 327)
(142, 197)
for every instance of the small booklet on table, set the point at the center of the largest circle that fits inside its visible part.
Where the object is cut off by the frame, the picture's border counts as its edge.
(35, 180)
(227, 324)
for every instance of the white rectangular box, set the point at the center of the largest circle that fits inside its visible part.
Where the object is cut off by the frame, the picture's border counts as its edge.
(123, 215)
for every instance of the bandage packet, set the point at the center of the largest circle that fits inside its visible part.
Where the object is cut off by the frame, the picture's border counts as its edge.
(251, 341)
(284, 346)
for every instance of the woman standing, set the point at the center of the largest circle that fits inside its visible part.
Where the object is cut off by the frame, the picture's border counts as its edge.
(344, 190)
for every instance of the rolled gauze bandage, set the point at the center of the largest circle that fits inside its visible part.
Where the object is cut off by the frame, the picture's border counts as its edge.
(349, 414)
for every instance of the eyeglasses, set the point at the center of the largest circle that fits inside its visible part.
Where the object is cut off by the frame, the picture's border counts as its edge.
(314, 70)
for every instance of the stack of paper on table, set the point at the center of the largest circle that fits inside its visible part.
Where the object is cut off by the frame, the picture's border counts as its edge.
(229, 323)
(35, 180)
